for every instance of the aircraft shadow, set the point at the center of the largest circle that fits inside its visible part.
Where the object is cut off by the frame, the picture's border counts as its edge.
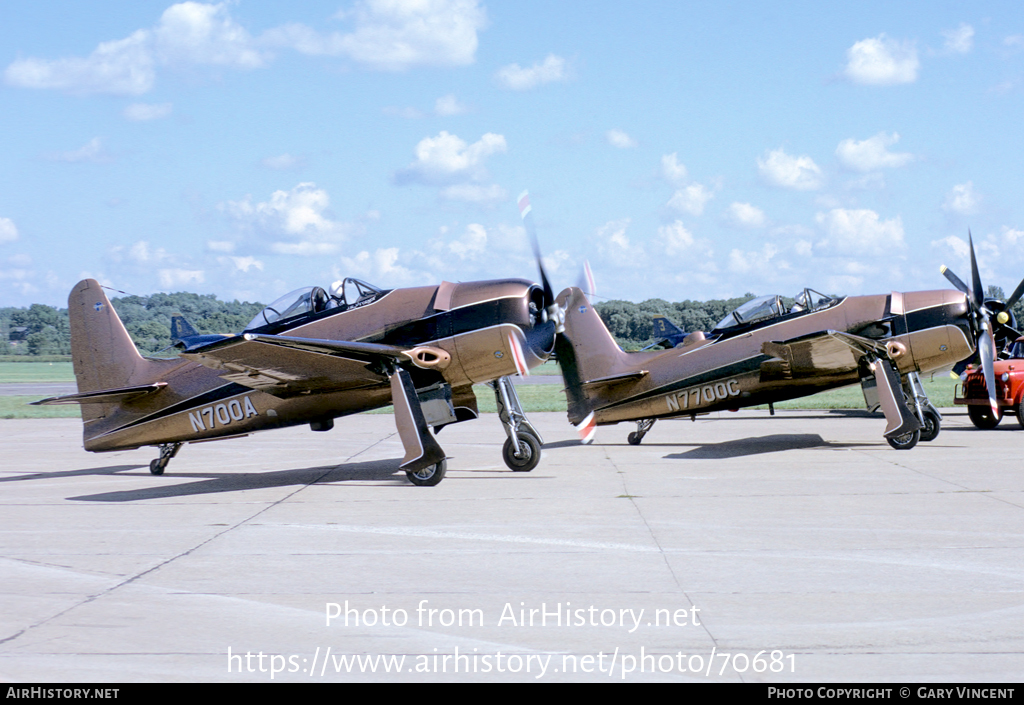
(214, 483)
(763, 444)
(111, 470)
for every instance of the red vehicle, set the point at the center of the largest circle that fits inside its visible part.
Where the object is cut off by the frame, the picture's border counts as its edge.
(1009, 375)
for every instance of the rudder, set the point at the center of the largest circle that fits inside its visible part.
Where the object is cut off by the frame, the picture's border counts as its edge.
(102, 352)
(586, 352)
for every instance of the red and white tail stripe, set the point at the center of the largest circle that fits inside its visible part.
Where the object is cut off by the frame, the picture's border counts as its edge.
(517, 355)
(587, 428)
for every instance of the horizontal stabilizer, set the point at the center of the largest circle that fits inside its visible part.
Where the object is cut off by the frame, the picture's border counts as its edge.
(104, 396)
(616, 379)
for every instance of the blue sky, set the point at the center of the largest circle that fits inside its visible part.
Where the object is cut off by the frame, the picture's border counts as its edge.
(688, 150)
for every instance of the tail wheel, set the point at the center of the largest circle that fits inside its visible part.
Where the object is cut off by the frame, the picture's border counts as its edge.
(932, 425)
(982, 416)
(428, 476)
(529, 448)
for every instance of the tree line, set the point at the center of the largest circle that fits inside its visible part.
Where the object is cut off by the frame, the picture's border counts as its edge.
(44, 330)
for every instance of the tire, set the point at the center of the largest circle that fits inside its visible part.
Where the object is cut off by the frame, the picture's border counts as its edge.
(1020, 412)
(906, 441)
(932, 425)
(981, 416)
(429, 476)
(531, 453)
(155, 467)
(634, 439)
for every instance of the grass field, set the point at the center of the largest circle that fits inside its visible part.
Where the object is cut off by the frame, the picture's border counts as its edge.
(536, 397)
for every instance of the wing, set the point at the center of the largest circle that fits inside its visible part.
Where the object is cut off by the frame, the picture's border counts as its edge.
(831, 353)
(286, 367)
(826, 353)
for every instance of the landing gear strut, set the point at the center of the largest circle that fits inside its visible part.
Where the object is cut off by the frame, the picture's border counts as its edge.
(642, 427)
(921, 407)
(522, 449)
(919, 403)
(167, 451)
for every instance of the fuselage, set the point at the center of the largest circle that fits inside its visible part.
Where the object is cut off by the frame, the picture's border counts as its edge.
(472, 322)
(735, 368)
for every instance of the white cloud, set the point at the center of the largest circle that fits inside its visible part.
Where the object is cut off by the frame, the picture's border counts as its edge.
(516, 78)
(745, 215)
(448, 159)
(674, 240)
(381, 266)
(474, 193)
(199, 33)
(188, 33)
(242, 264)
(470, 245)
(614, 246)
(143, 112)
(448, 105)
(173, 278)
(296, 221)
(672, 171)
(860, 232)
(881, 61)
(122, 67)
(958, 245)
(745, 262)
(8, 231)
(220, 246)
(691, 199)
(618, 138)
(92, 151)
(873, 153)
(959, 40)
(395, 35)
(962, 199)
(799, 173)
(283, 162)
(389, 35)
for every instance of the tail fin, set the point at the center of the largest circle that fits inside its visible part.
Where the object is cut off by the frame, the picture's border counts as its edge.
(586, 352)
(103, 354)
(667, 330)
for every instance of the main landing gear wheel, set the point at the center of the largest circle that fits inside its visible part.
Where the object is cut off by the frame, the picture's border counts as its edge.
(529, 448)
(428, 476)
(932, 425)
(156, 467)
(982, 416)
(906, 441)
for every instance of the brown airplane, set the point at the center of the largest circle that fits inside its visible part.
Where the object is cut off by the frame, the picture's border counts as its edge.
(311, 357)
(765, 352)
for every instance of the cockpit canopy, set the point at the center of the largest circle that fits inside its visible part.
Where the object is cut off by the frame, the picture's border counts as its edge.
(767, 307)
(313, 299)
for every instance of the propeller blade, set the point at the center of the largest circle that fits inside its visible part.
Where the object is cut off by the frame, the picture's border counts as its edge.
(526, 213)
(986, 351)
(955, 280)
(586, 282)
(1015, 296)
(979, 290)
